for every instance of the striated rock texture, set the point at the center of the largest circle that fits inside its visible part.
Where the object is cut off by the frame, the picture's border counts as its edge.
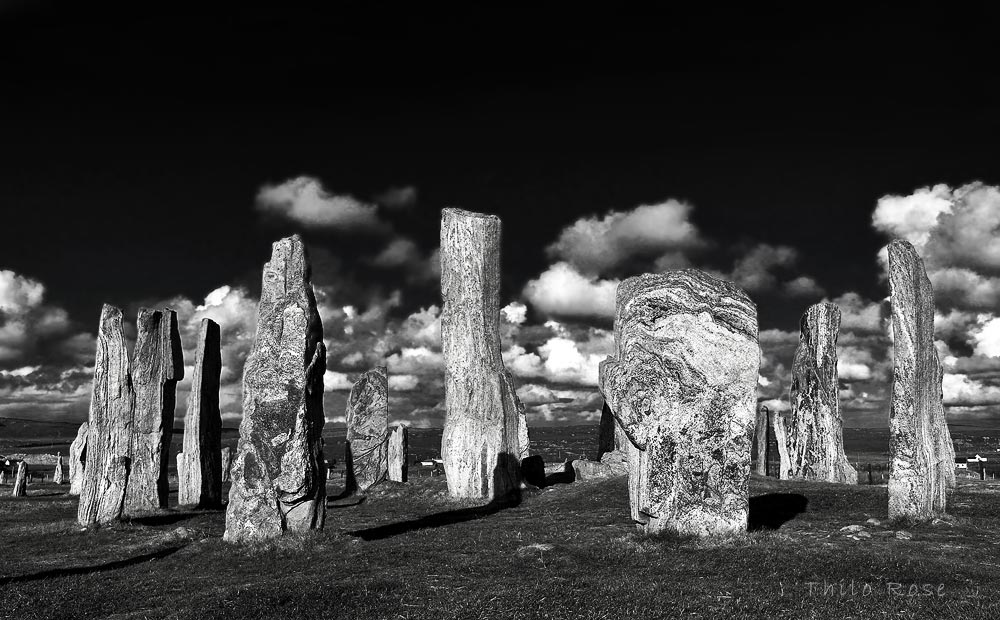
(227, 463)
(683, 385)
(485, 432)
(761, 432)
(200, 475)
(278, 475)
(109, 432)
(814, 435)
(919, 441)
(77, 458)
(20, 481)
(399, 453)
(57, 475)
(368, 430)
(158, 364)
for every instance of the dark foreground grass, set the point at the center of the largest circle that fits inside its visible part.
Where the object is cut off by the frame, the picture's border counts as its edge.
(567, 551)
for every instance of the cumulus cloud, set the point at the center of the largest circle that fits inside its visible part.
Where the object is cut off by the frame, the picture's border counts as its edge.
(333, 381)
(403, 383)
(804, 286)
(754, 270)
(32, 330)
(961, 390)
(398, 197)
(912, 217)
(303, 200)
(515, 312)
(859, 314)
(562, 359)
(563, 291)
(854, 364)
(987, 336)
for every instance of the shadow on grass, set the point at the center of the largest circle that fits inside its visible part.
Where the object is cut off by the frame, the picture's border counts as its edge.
(329, 504)
(164, 519)
(771, 511)
(86, 570)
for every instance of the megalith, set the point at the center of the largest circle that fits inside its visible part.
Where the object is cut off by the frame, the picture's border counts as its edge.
(398, 453)
(682, 383)
(109, 429)
(278, 477)
(485, 432)
(20, 488)
(368, 430)
(920, 448)
(200, 476)
(77, 458)
(227, 462)
(762, 439)
(57, 475)
(813, 430)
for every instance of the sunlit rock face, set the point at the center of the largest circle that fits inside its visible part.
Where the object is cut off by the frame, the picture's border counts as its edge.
(368, 430)
(77, 459)
(278, 475)
(199, 466)
(921, 455)
(813, 431)
(485, 433)
(683, 386)
(399, 454)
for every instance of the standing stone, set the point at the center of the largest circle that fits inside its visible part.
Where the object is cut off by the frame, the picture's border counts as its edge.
(227, 462)
(368, 430)
(200, 476)
(814, 435)
(485, 432)
(398, 453)
(109, 432)
(77, 458)
(919, 441)
(3, 477)
(278, 477)
(20, 481)
(57, 475)
(761, 436)
(158, 364)
(683, 385)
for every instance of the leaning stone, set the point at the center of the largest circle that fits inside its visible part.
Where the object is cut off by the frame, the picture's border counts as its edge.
(77, 458)
(200, 478)
(20, 481)
(399, 454)
(158, 366)
(57, 475)
(278, 477)
(919, 442)
(485, 433)
(683, 385)
(227, 462)
(590, 470)
(102, 493)
(368, 430)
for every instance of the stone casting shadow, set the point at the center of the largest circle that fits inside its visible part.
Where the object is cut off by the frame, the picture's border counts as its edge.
(86, 570)
(771, 511)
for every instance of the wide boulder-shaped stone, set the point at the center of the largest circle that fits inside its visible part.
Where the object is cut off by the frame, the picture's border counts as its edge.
(682, 384)
(77, 459)
(199, 466)
(399, 453)
(920, 447)
(814, 431)
(158, 364)
(368, 430)
(485, 433)
(278, 477)
(109, 430)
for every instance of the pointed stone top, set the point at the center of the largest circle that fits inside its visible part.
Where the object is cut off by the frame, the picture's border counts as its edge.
(157, 329)
(380, 370)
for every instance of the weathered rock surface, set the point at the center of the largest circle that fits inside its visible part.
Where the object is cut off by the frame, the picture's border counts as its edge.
(485, 433)
(399, 453)
(612, 438)
(57, 475)
(77, 459)
(761, 433)
(919, 441)
(368, 430)
(814, 435)
(158, 364)
(278, 477)
(227, 463)
(109, 432)
(590, 470)
(20, 481)
(683, 385)
(200, 476)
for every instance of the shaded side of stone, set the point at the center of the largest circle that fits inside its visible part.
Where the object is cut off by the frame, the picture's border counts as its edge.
(200, 484)
(761, 433)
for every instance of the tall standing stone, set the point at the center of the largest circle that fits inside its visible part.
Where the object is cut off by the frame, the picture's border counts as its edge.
(109, 431)
(227, 462)
(20, 481)
(919, 441)
(398, 454)
(814, 430)
(485, 432)
(683, 385)
(278, 477)
(762, 439)
(368, 430)
(200, 475)
(158, 364)
(57, 475)
(77, 459)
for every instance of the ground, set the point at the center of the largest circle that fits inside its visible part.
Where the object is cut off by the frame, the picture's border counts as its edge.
(564, 551)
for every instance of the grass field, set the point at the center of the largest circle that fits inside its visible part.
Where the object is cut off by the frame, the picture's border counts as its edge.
(564, 551)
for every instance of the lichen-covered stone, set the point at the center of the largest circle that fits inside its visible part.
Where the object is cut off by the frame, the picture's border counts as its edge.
(77, 460)
(200, 475)
(814, 431)
(368, 430)
(485, 433)
(109, 432)
(57, 474)
(399, 453)
(158, 364)
(683, 385)
(761, 439)
(20, 481)
(278, 477)
(920, 448)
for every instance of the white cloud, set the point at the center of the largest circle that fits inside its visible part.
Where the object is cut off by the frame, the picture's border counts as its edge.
(859, 314)
(854, 363)
(415, 360)
(753, 271)
(534, 394)
(561, 360)
(563, 291)
(912, 217)
(336, 381)
(776, 404)
(804, 286)
(515, 312)
(32, 330)
(987, 337)
(960, 390)
(403, 383)
(398, 197)
(304, 200)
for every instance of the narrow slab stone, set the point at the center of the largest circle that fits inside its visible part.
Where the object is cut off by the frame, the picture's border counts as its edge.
(761, 433)
(200, 480)
(227, 463)
(683, 385)
(485, 432)
(399, 453)
(278, 477)
(109, 436)
(814, 435)
(20, 481)
(77, 460)
(920, 447)
(368, 430)
(158, 364)
(57, 475)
